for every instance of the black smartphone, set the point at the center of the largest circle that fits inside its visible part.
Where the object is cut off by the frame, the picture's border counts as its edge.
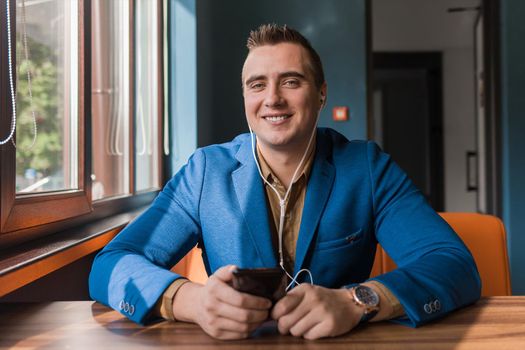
(269, 283)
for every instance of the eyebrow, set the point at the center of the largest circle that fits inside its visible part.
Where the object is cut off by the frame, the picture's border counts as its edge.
(289, 74)
(254, 78)
(292, 74)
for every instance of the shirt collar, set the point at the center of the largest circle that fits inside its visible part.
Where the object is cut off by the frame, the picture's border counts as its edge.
(270, 176)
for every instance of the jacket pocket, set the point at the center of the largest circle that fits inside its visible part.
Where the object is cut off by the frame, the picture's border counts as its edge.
(341, 242)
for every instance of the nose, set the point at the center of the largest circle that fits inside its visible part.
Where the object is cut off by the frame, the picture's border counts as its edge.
(273, 97)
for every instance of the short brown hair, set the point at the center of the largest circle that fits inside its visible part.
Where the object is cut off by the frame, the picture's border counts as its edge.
(272, 34)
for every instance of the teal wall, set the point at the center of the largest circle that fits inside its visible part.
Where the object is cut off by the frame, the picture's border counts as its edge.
(513, 120)
(336, 28)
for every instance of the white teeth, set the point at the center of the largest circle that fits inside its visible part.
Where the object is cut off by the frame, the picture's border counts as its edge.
(277, 118)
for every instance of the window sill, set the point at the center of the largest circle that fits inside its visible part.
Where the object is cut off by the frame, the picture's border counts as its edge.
(23, 264)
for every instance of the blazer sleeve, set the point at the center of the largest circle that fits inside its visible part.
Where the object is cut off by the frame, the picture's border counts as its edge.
(436, 273)
(132, 271)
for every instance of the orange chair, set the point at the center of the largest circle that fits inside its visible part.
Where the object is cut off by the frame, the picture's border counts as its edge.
(192, 267)
(485, 237)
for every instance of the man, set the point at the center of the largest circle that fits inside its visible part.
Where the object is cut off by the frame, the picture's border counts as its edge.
(339, 198)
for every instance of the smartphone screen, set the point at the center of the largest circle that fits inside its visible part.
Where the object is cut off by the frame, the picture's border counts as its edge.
(269, 283)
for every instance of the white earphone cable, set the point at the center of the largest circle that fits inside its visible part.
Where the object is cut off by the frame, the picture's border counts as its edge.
(282, 201)
(29, 80)
(11, 85)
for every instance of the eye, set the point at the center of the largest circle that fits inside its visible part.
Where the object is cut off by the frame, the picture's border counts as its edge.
(256, 85)
(291, 83)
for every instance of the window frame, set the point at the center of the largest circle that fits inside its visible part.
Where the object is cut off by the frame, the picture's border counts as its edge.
(31, 216)
(21, 212)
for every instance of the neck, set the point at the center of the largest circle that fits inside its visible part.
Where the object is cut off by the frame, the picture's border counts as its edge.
(285, 162)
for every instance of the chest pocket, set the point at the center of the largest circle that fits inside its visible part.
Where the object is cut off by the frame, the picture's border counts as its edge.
(347, 240)
(341, 261)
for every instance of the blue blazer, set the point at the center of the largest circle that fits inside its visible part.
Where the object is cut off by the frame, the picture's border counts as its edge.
(356, 197)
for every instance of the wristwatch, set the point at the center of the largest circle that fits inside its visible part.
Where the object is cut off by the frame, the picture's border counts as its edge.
(366, 298)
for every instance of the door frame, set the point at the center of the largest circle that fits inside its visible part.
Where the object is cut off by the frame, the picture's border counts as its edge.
(493, 122)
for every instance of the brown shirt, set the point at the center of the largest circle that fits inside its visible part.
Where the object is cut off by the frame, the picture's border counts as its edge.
(294, 206)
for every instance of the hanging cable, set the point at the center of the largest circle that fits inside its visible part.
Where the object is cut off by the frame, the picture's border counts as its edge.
(283, 200)
(140, 103)
(119, 112)
(29, 83)
(11, 85)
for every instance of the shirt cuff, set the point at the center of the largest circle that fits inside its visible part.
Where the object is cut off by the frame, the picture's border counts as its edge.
(164, 306)
(397, 308)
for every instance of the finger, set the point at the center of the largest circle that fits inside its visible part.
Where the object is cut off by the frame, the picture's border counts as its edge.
(319, 330)
(304, 325)
(301, 289)
(286, 305)
(227, 335)
(228, 295)
(228, 325)
(242, 315)
(287, 321)
(225, 273)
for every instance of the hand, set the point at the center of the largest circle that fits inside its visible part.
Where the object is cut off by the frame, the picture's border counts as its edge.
(220, 310)
(314, 312)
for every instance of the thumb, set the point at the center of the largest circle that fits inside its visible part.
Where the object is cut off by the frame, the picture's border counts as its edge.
(225, 273)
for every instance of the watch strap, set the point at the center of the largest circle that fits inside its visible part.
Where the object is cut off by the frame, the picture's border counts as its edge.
(367, 316)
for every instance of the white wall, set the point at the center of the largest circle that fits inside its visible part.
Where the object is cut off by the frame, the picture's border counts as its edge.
(421, 24)
(458, 126)
(425, 25)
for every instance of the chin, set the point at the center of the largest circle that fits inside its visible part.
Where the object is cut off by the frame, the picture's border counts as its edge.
(280, 140)
(277, 143)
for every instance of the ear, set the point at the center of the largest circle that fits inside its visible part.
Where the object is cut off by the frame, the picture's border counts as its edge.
(322, 94)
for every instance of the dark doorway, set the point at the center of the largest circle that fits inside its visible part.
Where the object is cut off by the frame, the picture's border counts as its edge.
(408, 120)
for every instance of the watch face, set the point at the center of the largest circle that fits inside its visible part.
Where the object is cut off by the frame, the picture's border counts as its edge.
(367, 295)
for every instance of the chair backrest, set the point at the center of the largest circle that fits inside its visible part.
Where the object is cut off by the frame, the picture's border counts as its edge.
(484, 235)
(192, 266)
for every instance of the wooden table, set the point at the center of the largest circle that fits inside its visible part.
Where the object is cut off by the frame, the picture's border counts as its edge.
(493, 323)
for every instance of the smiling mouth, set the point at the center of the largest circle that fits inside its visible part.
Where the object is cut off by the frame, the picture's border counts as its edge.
(277, 118)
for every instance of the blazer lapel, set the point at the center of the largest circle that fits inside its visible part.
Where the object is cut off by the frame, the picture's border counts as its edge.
(252, 201)
(317, 193)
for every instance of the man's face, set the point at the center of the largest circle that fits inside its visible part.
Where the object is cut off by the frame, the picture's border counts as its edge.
(281, 100)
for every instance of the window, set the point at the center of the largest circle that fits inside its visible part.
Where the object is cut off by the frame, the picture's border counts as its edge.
(111, 98)
(47, 84)
(148, 78)
(88, 85)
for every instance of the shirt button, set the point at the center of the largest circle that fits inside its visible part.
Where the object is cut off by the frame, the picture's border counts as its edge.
(427, 308)
(121, 305)
(131, 310)
(126, 307)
